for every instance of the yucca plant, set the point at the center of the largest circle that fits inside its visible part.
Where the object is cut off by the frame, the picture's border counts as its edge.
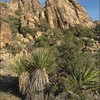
(20, 65)
(40, 60)
(84, 79)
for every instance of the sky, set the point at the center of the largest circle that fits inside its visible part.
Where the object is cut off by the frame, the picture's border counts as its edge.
(92, 7)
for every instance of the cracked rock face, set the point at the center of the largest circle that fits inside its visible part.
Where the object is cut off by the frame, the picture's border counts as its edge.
(5, 34)
(66, 13)
(57, 13)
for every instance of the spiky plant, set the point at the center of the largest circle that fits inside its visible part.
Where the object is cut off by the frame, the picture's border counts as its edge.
(84, 79)
(20, 65)
(40, 60)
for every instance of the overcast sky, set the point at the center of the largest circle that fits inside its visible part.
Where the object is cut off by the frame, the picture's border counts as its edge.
(92, 7)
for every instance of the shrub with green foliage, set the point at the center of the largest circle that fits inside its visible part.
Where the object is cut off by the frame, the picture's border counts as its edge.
(20, 65)
(97, 30)
(37, 60)
(49, 38)
(18, 12)
(84, 79)
(13, 23)
(41, 59)
(25, 30)
(80, 31)
(4, 5)
(44, 27)
(88, 42)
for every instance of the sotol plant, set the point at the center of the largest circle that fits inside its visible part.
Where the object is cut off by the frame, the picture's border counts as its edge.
(84, 79)
(20, 65)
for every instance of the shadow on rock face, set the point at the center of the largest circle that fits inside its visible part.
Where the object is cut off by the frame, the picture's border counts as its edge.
(10, 84)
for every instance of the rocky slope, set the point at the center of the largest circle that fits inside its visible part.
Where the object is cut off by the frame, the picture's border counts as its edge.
(57, 13)
(64, 14)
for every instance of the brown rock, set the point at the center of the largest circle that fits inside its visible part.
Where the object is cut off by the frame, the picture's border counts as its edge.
(36, 5)
(66, 13)
(29, 19)
(29, 37)
(5, 34)
(25, 40)
(38, 34)
(20, 36)
(23, 5)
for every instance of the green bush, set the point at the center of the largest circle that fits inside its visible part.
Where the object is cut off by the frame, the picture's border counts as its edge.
(84, 79)
(18, 12)
(41, 59)
(80, 31)
(14, 24)
(96, 30)
(88, 42)
(25, 30)
(44, 27)
(4, 5)
(20, 65)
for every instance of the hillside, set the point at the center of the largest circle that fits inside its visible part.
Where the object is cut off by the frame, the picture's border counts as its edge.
(48, 53)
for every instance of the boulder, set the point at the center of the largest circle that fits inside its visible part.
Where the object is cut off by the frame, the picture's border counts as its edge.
(5, 34)
(38, 34)
(29, 37)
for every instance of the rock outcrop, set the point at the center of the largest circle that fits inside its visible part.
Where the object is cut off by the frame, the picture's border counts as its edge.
(22, 5)
(36, 5)
(29, 19)
(19, 6)
(5, 34)
(57, 13)
(61, 14)
(66, 13)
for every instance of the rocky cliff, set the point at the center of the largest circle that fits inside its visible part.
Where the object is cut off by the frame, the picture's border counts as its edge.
(57, 13)
(66, 13)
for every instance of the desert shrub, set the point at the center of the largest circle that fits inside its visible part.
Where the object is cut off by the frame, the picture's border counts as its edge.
(27, 29)
(20, 65)
(96, 30)
(4, 5)
(29, 46)
(49, 38)
(14, 24)
(41, 59)
(88, 42)
(3, 19)
(44, 27)
(18, 12)
(13, 49)
(41, 42)
(84, 79)
(80, 31)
